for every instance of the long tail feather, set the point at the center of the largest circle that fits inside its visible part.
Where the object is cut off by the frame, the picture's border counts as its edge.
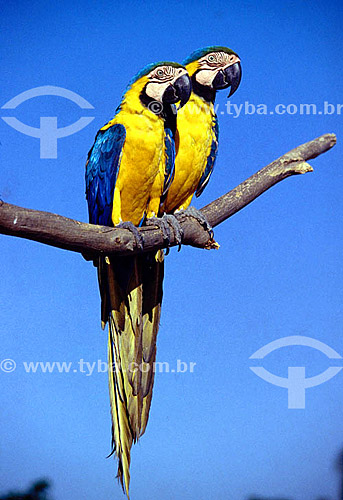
(131, 296)
(152, 300)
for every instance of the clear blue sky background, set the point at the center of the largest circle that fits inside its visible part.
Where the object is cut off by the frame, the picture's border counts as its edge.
(220, 432)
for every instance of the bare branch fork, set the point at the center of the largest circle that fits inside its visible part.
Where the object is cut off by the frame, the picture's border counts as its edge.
(90, 239)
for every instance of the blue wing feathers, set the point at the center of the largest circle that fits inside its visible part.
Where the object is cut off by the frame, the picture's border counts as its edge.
(102, 171)
(210, 160)
(170, 160)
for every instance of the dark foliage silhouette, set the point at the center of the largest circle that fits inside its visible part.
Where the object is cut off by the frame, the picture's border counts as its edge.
(38, 491)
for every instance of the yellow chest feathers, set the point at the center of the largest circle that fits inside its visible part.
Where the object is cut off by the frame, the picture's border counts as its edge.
(140, 163)
(194, 123)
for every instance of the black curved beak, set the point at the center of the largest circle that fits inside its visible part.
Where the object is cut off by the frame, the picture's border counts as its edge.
(179, 91)
(229, 77)
(233, 74)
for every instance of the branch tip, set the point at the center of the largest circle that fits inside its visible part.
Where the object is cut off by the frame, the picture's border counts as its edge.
(302, 168)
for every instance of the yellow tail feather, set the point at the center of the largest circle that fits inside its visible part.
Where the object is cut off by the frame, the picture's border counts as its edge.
(152, 301)
(131, 296)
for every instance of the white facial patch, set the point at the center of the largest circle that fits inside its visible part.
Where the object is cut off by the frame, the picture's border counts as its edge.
(161, 78)
(156, 90)
(206, 76)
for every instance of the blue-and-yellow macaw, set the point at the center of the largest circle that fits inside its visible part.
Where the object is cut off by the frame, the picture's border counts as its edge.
(211, 69)
(129, 168)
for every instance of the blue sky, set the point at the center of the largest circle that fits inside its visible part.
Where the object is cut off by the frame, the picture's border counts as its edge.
(219, 432)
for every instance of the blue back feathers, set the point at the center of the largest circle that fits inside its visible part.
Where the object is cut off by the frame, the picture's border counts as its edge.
(101, 173)
(169, 142)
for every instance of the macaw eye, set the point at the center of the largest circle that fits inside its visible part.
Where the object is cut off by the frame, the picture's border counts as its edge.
(159, 72)
(211, 58)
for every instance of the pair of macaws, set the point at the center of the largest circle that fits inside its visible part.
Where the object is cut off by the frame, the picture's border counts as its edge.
(147, 163)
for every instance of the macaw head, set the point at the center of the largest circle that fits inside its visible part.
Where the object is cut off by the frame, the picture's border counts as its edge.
(212, 69)
(161, 84)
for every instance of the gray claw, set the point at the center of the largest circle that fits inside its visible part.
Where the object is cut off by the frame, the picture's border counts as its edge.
(199, 216)
(132, 228)
(161, 224)
(176, 227)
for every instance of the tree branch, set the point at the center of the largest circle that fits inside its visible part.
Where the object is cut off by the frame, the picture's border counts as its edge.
(90, 239)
